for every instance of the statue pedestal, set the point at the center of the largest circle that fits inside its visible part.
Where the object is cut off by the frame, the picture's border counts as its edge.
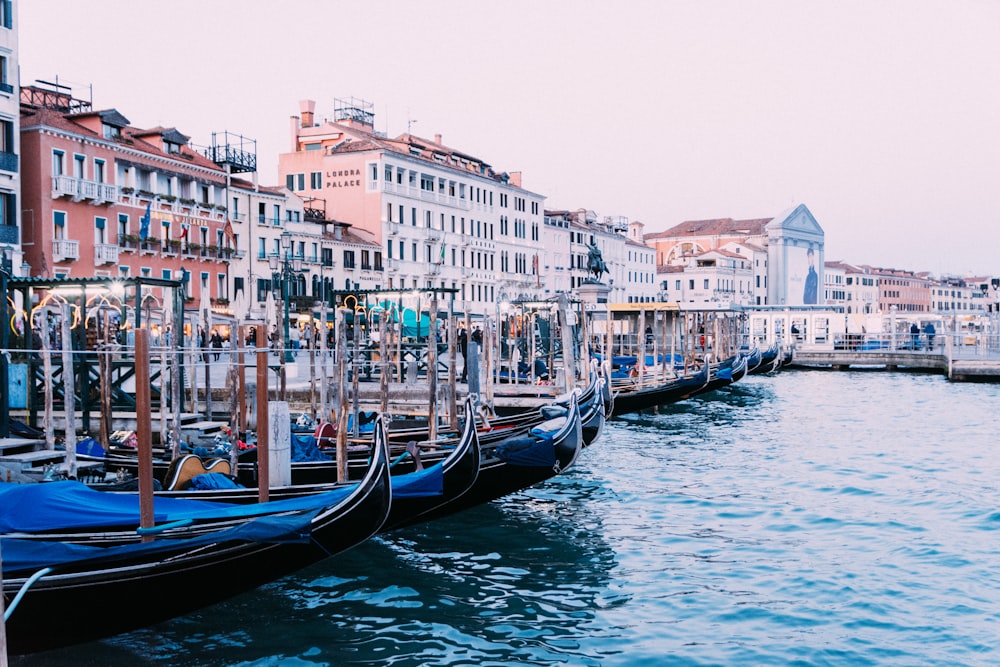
(593, 293)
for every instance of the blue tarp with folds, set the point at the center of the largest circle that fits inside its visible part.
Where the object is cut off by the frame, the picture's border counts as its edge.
(72, 505)
(527, 452)
(304, 448)
(420, 484)
(32, 555)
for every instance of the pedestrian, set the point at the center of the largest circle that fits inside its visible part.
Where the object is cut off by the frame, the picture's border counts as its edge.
(216, 341)
(294, 334)
(463, 347)
(929, 330)
(914, 336)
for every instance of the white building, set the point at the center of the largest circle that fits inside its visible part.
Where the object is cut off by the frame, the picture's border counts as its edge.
(10, 141)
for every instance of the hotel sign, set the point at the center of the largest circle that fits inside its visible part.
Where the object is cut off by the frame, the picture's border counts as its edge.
(343, 178)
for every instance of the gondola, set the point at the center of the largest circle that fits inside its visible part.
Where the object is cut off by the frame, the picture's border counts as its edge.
(724, 373)
(754, 358)
(518, 462)
(634, 398)
(770, 361)
(181, 569)
(451, 470)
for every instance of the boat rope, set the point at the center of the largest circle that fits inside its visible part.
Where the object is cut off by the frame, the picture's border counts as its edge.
(24, 589)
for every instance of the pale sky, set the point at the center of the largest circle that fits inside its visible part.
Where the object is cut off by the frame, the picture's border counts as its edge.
(882, 117)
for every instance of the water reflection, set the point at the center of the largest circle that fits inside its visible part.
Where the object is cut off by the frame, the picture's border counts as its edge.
(518, 580)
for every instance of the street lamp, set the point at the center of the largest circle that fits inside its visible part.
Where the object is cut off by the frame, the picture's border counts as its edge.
(285, 267)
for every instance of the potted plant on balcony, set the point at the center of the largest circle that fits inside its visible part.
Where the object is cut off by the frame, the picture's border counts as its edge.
(128, 190)
(145, 193)
(128, 240)
(173, 245)
(192, 248)
(170, 199)
(187, 201)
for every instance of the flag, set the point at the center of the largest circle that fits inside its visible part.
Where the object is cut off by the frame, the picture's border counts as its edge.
(144, 224)
(442, 252)
(228, 231)
(185, 226)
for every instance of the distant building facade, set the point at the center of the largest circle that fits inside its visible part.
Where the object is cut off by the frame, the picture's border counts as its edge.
(10, 140)
(440, 216)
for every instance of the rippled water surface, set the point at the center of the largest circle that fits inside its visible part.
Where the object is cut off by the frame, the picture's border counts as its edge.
(807, 518)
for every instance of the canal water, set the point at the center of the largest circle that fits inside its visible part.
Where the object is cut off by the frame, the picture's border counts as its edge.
(808, 518)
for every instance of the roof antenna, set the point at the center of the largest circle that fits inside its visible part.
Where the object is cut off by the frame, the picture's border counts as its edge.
(409, 122)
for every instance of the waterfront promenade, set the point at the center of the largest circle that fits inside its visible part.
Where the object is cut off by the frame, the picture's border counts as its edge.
(960, 357)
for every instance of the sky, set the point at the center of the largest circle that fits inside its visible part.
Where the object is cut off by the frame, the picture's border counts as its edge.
(882, 117)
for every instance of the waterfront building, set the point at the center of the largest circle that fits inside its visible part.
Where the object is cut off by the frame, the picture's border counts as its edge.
(10, 148)
(954, 296)
(103, 198)
(905, 291)
(783, 254)
(569, 236)
(441, 217)
(716, 278)
(640, 266)
(557, 262)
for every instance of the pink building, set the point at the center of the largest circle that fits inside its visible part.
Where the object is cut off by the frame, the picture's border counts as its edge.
(441, 217)
(102, 198)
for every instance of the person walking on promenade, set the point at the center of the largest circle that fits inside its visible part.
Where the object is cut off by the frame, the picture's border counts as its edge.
(463, 347)
(929, 330)
(216, 341)
(914, 336)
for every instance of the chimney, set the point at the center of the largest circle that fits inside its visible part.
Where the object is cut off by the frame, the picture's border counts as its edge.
(338, 232)
(294, 131)
(307, 108)
(515, 179)
(437, 139)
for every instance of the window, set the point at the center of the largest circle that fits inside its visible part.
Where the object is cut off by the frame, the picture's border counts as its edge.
(7, 142)
(316, 180)
(348, 259)
(110, 132)
(8, 215)
(99, 171)
(59, 224)
(99, 231)
(58, 163)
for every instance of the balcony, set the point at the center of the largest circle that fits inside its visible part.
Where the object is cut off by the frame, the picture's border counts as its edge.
(64, 250)
(79, 189)
(105, 253)
(8, 161)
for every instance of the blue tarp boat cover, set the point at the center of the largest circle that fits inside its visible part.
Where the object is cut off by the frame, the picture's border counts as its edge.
(72, 505)
(212, 481)
(32, 555)
(90, 447)
(304, 448)
(527, 451)
(419, 484)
